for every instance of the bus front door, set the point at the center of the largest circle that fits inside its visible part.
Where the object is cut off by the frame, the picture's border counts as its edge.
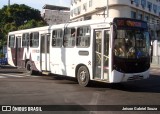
(44, 52)
(101, 71)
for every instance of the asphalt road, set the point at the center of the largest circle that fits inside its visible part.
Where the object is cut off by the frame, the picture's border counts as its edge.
(21, 89)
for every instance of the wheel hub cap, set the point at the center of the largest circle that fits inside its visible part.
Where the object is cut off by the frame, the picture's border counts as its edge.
(83, 76)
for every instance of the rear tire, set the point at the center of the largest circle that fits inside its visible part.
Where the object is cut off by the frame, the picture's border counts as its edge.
(29, 68)
(83, 76)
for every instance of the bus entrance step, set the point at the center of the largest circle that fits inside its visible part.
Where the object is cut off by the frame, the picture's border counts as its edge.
(46, 73)
(105, 67)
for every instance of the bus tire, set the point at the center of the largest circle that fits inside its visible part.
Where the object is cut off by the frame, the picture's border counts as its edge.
(83, 76)
(29, 68)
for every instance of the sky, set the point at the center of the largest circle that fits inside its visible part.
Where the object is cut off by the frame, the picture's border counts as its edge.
(36, 4)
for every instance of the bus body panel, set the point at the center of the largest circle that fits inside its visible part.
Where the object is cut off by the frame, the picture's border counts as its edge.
(67, 60)
(10, 57)
(118, 77)
(27, 53)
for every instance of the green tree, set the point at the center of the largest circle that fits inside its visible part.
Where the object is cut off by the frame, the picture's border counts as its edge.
(18, 17)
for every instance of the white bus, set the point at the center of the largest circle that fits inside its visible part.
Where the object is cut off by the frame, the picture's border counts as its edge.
(113, 50)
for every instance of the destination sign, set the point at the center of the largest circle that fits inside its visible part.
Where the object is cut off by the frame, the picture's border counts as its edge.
(125, 22)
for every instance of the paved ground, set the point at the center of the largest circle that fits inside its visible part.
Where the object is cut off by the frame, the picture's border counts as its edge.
(7, 68)
(19, 88)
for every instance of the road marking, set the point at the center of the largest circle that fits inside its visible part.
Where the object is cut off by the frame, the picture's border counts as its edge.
(15, 75)
(3, 77)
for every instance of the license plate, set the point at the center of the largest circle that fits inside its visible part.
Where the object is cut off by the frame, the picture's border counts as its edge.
(136, 77)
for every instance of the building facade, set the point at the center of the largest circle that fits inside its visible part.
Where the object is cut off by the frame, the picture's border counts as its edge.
(55, 14)
(147, 10)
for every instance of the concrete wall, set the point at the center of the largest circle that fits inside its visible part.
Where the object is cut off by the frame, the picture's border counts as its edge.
(56, 17)
(119, 11)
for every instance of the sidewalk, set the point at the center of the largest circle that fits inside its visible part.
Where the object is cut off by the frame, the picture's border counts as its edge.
(155, 69)
(10, 69)
(155, 66)
(7, 67)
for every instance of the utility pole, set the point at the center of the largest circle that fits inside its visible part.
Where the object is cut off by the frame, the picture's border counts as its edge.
(8, 3)
(107, 8)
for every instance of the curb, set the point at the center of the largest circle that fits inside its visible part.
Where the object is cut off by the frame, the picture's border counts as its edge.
(154, 66)
(11, 69)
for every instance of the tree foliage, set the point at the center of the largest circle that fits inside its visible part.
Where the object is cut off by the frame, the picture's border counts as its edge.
(18, 17)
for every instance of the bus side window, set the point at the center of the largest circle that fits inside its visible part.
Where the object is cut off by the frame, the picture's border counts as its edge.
(34, 39)
(25, 40)
(57, 37)
(83, 37)
(11, 41)
(69, 37)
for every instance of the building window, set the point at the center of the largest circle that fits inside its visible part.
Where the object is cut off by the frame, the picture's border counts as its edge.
(75, 11)
(83, 37)
(159, 10)
(157, 21)
(34, 39)
(71, 13)
(155, 8)
(143, 3)
(57, 37)
(79, 10)
(90, 3)
(133, 14)
(140, 16)
(11, 41)
(25, 40)
(149, 4)
(146, 18)
(85, 6)
(153, 20)
(136, 2)
(87, 17)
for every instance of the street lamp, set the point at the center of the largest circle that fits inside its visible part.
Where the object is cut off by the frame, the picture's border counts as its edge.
(105, 8)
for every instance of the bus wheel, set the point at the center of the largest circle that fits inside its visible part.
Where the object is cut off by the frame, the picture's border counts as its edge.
(83, 76)
(29, 68)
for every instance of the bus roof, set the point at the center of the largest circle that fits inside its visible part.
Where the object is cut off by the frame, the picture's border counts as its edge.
(82, 23)
(69, 24)
(28, 30)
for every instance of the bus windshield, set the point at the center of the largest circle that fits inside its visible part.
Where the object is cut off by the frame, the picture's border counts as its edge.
(131, 43)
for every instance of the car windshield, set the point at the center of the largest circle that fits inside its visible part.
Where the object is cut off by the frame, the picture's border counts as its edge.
(131, 44)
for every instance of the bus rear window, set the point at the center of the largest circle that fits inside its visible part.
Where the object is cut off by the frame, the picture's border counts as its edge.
(11, 42)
